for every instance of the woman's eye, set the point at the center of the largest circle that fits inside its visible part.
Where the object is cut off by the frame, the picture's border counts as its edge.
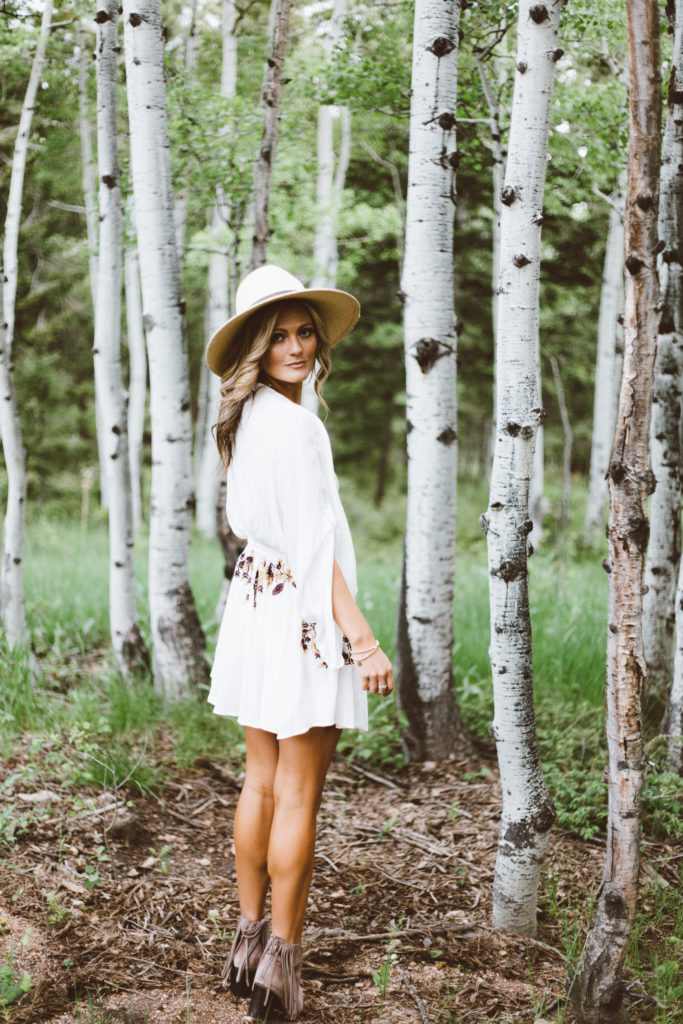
(306, 332)
(274, 338)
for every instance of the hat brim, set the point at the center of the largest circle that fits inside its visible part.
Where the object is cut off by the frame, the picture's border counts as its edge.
(338, 311)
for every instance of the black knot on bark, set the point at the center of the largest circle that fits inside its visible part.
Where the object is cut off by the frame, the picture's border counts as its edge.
(671, 255)
(616, 472)
(649, 481)
(675, 97)
(607, 566)
(613, 628)
(660, 247)
(101, 17)
(453, 160)
(520, 260)
(447, 436)
(510, 570)
(409, 427)
(184, 406)
(541, 415)
(109, 181)
(638, 531)
(459, 327)
(645, 200)
(182, 306)
(615, 904)
(526, 433)
(539, 13)
(484, 522)
(441, 46)
(537, 217)
(508, 195)
(116, 429)
(446, 122)
(512, 428)
(558, 54)
(634, 264)
(522, 67)
(544, 817)
(526, 528)
(134, 19)
(427, 352)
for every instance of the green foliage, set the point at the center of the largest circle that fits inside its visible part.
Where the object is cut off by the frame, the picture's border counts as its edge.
(12, 985)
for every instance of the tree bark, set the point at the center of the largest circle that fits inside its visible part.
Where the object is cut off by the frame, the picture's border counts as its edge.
(182, 198)
(528, 812)
(12, 573)
(272, 94)
(599, 989)
(89, 177)
(424, 670)
(178, 655)
(607, 364)
(664, 549)
(128, 645)
(137, 378)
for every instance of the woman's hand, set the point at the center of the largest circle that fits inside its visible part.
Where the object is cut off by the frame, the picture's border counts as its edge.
(376, 673)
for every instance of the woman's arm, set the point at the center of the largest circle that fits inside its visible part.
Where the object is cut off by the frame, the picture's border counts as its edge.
(375, 670)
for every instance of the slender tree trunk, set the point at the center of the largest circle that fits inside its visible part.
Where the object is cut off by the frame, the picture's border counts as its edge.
(128, 645)
(664, 549)
(137, 378)
(178, 658)
(599, 988)
(425, 617)
(272, 94)
(89, 176)
(673, 718)
(182, 198)
(528, 812)
(218, 304)
(12, 578)
(568, 441)
(606, 365)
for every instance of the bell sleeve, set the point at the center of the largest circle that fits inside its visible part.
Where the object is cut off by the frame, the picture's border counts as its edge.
(305, 509)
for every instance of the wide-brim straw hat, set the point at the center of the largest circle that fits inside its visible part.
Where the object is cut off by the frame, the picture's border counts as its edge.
(338, 310)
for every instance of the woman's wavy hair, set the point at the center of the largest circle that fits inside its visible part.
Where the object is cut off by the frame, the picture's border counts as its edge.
(239, 380)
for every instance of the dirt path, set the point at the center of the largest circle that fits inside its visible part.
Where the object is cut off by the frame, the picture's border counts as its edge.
(121, 910)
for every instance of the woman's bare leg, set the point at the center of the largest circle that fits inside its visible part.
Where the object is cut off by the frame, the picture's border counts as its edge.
(253, 818)
(302, 764)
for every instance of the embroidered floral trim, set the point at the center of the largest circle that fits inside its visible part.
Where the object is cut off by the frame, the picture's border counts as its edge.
(308, 641)
(262, 574)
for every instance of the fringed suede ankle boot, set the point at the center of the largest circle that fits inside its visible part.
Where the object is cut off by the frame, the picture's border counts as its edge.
(277, 985)
(245, 955)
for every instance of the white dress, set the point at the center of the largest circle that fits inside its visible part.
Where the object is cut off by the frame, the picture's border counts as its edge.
(281, 661)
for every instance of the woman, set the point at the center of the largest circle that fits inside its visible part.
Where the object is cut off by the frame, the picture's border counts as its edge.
(295, 656)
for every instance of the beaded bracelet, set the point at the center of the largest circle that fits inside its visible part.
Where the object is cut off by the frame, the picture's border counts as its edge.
(365, 654)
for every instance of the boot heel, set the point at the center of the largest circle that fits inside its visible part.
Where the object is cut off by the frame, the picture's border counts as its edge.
(263, 1004)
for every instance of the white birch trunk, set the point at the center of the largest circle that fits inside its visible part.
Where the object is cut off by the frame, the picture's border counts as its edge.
(218, 307)
(425, 619)
(536, 482)
(128, 645)
(89, 178)
(16, 186)
(527, 809)
(673, 719)
(606, 366)
(137, 379)
(182, 198)
(598, 988)
(272, 95)
(11, 577)
(664, 548)
(178, 656)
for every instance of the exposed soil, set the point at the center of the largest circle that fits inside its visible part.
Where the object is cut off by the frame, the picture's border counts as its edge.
(143, 903)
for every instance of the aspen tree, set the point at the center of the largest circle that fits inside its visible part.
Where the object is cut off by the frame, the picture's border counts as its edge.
(598, 989)
(528, 812)
(218, 303)
(178, 639)
(89, 178)
(607, 366)
(272, 95)
(128, 645)
(137, 377)
(12, 573)
(666, 450)
(425, 617)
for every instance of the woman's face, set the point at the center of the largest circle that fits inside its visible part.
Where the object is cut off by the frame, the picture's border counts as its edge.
(293, 344)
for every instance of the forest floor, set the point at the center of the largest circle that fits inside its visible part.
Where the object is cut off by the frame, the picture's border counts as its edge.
(120, 907)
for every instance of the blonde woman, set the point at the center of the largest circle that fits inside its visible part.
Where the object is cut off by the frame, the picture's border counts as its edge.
(295, 656)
